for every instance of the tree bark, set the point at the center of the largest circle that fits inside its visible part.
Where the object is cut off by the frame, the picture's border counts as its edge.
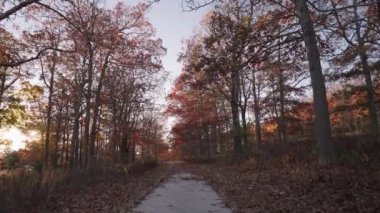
(88, 104)
(281, 85)
(3, 78)
(282, 123)
(236, 128)
(243, 109)
(97, 105)
(58, 136)
(256, 109)
(49, 112)
(322, 118)
(370, 97)
(75, 134)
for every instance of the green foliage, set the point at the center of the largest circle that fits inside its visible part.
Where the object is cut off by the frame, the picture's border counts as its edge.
(14, 111)
(31, 92)
(11, 160)
(13, 114)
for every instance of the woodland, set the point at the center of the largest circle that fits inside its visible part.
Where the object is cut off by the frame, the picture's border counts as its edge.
(276, 105)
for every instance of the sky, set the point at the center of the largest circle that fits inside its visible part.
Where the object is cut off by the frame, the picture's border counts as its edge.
(17, 137)
(173, 25)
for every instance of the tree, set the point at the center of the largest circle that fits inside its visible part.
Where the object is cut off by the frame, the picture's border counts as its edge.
(88, 54)
(322, 122)
(355, 25)
(195, 103)
(322, 118)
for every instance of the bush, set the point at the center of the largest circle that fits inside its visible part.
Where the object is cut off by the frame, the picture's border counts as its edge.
(150, 162)
(11, 160)
(21, 189)
(142, 165)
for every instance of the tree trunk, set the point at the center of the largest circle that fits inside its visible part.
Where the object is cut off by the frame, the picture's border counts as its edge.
(245, 128)
(75, 135)
(88, 105)
(275, 113)
(64, 143)
(58, 136)
(371, 99)
(322, 118)
(282, 124)
(243, 99)
(48, 114)
(115, 136)
(281, 85)
(3, 77)
(96, 110)
(256, 109)
(66, 138)
(236, 129)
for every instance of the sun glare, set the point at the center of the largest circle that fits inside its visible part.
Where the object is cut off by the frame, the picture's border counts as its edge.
(17, 137)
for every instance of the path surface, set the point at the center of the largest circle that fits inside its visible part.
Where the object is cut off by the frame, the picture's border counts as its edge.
(181, 193)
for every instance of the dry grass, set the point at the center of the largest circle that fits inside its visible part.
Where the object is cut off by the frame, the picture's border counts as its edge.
(22, 189)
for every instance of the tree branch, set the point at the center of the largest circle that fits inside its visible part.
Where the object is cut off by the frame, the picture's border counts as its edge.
(16, 8)
(37, 56)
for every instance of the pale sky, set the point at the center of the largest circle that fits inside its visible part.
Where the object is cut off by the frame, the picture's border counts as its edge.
(173, 25)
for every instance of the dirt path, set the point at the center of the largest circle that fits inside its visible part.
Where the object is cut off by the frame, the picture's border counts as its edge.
(181, 193)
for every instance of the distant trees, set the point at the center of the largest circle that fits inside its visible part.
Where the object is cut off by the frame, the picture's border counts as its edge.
(255, 59)
(356, 26)
(247, 80)
(202, 124)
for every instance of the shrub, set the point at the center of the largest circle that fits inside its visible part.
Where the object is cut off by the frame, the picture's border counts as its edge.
(150, 162)
(21, 189)
(11, 160)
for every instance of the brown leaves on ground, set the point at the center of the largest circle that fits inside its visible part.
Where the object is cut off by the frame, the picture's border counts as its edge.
(296, 188)
(116, 195)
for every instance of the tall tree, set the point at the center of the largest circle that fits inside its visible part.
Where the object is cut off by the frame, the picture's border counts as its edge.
(322, 118)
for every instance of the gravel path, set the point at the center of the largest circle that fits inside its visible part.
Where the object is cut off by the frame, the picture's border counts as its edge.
(181, 193)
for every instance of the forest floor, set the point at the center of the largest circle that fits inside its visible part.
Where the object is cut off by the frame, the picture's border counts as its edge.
(293, 188)
(244, 187)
